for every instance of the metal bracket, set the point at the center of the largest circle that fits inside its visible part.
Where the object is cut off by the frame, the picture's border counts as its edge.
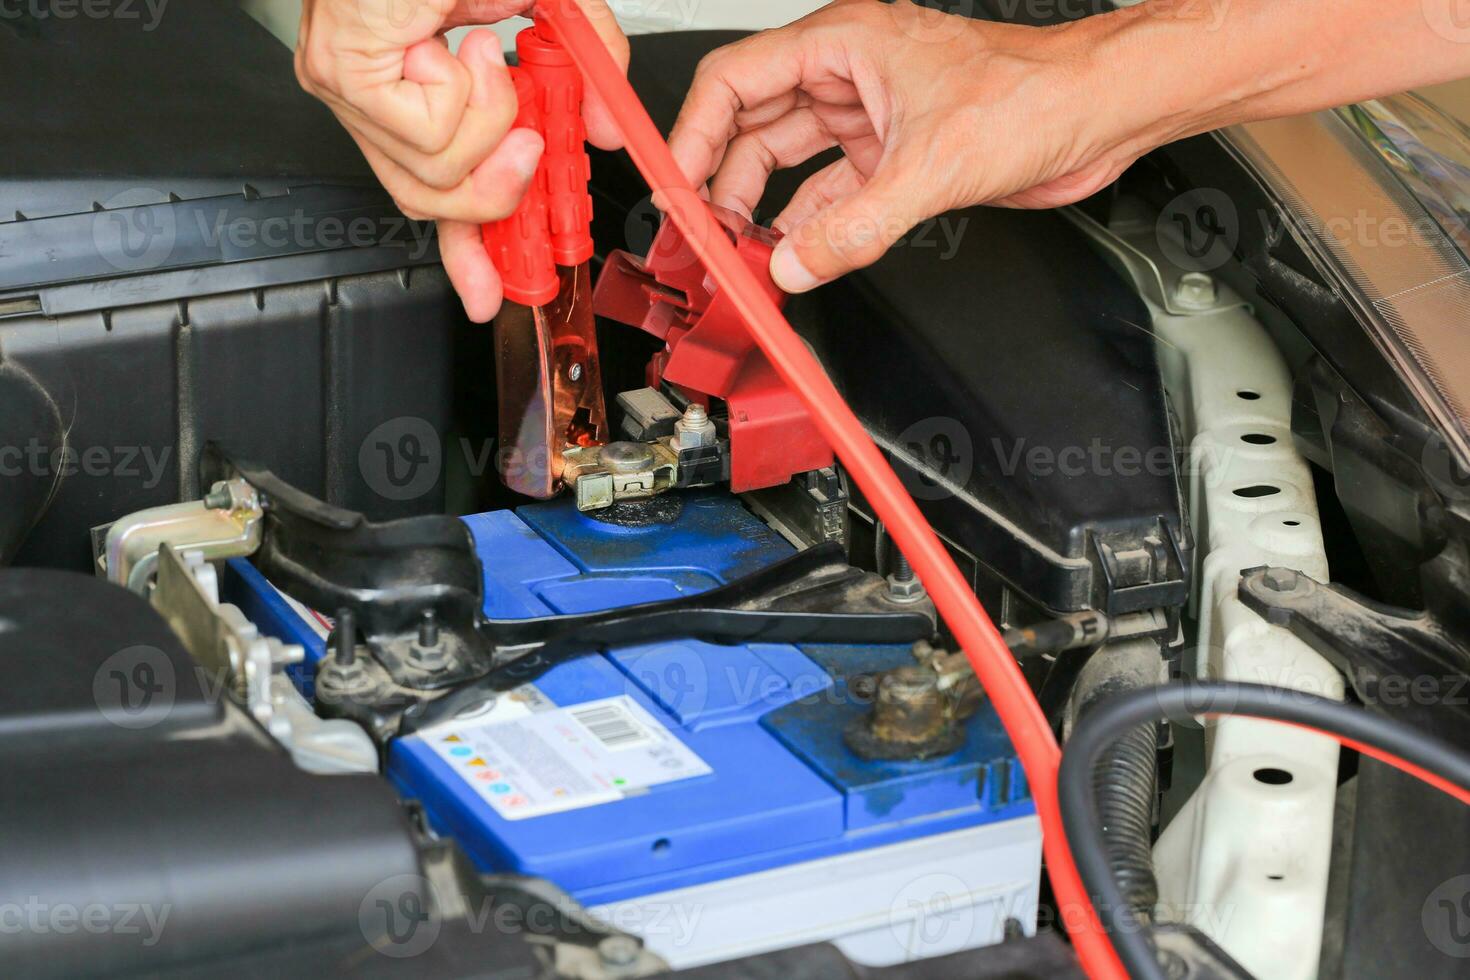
(1398, 661)
(252, 667)
(227, 523)
(415, 590)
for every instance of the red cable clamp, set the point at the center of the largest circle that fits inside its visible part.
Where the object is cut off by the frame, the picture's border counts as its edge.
(551, 225)
(709, 351)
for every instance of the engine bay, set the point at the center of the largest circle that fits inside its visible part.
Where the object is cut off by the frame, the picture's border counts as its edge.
(349, 635)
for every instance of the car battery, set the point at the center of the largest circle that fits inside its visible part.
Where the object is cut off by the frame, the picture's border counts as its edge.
(702, 796)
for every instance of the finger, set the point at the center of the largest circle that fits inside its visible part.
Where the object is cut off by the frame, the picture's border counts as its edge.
(822, 189)
(489, 193)
(489, 114)
(601, 130)
(729, 80)
(754, 155)
(853, 231)
(470, 270)
(420, 97)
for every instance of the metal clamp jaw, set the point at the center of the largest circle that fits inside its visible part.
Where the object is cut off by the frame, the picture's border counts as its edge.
(548, 375)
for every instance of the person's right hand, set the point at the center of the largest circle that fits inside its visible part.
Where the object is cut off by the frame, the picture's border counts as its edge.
(931, 112)
(436, 127)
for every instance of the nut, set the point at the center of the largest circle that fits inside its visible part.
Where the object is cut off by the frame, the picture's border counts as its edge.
(695, 429)
(1196, 290)
(618, 951)
(1281, 579)
(905, 590)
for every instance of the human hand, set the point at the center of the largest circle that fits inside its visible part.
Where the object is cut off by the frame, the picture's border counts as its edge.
(436, 127)
(930, 115)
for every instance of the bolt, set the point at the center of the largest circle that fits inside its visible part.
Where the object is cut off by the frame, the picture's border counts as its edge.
(429, 629)
(1281, 579)
(694, 429)
(575, 372)
(1195, 290)
(428, 652)
(346, 649)
(285, 654)
(344, 677)
(219, 497)
(903, 586)
(618, 951)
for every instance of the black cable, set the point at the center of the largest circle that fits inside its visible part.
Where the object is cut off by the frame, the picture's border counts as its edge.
(1108, 719)
(1125, 785)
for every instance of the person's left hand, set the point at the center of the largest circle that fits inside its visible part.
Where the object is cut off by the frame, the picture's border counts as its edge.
(436, 127)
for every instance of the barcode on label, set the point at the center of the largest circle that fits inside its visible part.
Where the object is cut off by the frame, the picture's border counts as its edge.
(611, 725)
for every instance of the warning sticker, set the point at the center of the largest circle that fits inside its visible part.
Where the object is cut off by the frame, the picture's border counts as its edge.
(547, 761)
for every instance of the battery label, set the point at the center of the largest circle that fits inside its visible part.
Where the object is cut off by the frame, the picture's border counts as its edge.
(547, 761)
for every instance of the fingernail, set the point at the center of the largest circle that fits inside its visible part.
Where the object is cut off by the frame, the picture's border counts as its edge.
(787, 270)
(493, 51)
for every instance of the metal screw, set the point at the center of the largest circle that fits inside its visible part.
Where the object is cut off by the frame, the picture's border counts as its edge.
(344, 678)
(428, 652)
(575, 372)
(618, 951)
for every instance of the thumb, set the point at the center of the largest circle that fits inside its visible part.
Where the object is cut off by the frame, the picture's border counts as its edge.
(851, 232)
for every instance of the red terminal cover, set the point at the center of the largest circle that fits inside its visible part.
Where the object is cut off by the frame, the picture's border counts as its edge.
(709, 352)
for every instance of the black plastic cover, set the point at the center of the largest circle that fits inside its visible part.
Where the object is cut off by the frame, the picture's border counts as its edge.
(134, 795)
(192, 248)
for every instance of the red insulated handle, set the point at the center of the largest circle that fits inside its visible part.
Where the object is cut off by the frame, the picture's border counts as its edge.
(520, 245)
(565, 166)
